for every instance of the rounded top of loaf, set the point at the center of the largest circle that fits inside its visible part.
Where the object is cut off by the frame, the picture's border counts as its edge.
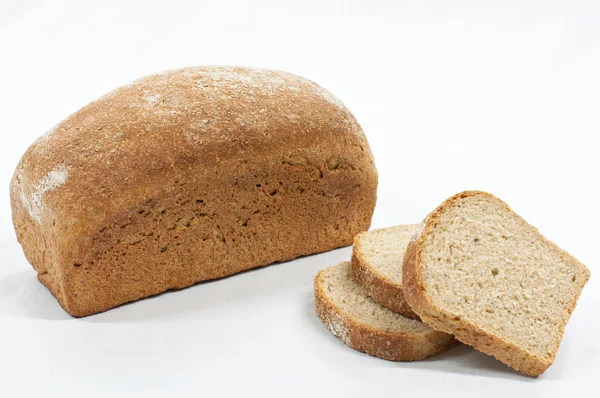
(134, 141)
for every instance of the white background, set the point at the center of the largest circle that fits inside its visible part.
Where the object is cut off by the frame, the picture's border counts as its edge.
(501, 96)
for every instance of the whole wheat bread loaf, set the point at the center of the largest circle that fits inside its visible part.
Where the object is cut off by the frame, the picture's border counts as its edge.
(377, 265)
(189, 175)
(358, 321)
(479, 271)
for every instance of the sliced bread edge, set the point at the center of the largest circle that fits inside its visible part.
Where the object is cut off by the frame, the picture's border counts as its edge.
(383, 344)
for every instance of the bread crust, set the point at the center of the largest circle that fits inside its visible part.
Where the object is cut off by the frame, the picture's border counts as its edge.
(189, 175)
(377, 286)
(377, 343)
(466, 331)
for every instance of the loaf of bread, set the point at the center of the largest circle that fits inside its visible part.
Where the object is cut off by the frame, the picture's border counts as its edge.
(189, 175)
(377, 265)
(479, 271)
(359, 322)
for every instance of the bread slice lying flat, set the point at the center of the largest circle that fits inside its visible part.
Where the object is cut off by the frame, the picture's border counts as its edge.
(377, 265)
(479, 271)
(352, 316)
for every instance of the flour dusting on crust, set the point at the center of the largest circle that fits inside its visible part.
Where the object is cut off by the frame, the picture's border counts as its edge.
(34, 202)
(332, 99)
(337, 327)
(41, 141)
(249, 78)
(419, 231)
(151, 98)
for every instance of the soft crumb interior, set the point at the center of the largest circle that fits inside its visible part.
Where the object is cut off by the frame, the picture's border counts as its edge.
(345, 294)
(383, 250)
(491, 267)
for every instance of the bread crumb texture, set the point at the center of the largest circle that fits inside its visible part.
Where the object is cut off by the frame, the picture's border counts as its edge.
(383, 249)
(377, 265)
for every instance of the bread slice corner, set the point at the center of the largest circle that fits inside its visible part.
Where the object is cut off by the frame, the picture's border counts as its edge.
(359, 322)
(479, 271)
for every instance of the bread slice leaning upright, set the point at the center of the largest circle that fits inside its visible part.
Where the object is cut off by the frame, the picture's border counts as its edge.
(359, 322)
(479, 271)
(377, 257)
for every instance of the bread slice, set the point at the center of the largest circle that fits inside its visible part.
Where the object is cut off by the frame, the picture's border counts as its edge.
(377, 265)
(479, 271)
(352, 316)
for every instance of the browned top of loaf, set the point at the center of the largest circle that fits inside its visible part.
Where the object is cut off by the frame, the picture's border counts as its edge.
(140, 138)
